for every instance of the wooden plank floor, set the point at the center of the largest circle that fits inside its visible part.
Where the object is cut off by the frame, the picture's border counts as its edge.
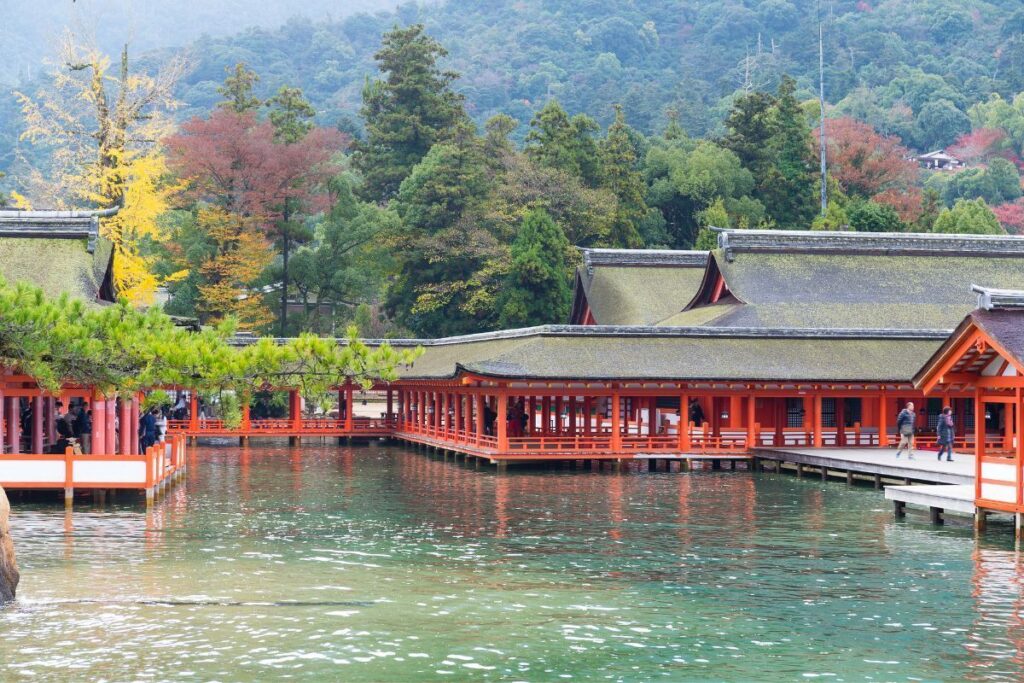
(923, 468)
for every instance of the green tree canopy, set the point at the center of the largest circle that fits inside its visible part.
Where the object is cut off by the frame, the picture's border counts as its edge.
(970, 217)
(537, 290)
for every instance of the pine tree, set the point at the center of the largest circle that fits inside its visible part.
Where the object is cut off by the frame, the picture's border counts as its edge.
(620, 175)
(537, 288)
(237, 88)
(409, 111)
(290, 114)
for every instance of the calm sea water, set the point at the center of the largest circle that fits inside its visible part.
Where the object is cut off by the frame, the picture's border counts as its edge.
(380, 564)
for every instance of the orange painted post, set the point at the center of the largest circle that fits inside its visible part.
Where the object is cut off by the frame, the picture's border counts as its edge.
(684, 423)
(558, 415)
(979, 440)
(616, 424)
(587, 408)
(350, 407)
(1018, 450)
(443, 417)
(124, 428)
(480, 427)
(1007, 425)
(546, 415)
(111, 431)
(883, 420)
(193, 411)
(501, 427)
(99, 424)
(840, 421)
(37, 424)
(752, 435)
(816, 421)
(807, 419)
(69, 476)
(458, 414)
(572, 415)
(13, 425)
(391, 404)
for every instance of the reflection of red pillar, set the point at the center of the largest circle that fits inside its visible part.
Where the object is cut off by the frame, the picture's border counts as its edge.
(99, 424)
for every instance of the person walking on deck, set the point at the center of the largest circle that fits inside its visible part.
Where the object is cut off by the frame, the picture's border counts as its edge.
(905, 426)
(946, 433)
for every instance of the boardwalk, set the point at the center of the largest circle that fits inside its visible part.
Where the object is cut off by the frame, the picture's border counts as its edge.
(877, 462)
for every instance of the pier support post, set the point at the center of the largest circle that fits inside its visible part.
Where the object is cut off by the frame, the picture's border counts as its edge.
(849, 477)
(878, 481)
(935, 515)
(899, 509)
(980, 520)
(824, 473)
(502, 466)
(799, 471)
(1018, 522)
(69, 496)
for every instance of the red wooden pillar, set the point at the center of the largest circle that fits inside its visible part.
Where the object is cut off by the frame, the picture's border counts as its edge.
(532, 411)
(124, 422)
(193, 410)
(480, 427)
(501, 426)
(51, 420)
(572, 415)
(979, 440)
(586, 415)
(444, 421)
(840, 421)
(37, 424)
(246, 417)
(546, 415)
(616, 424)
(99, 424)
(111, 432)
(1018, 450)
(13, 425)
(752, 435)
(133, 433)
(458, 413)
(816, 421)
(350, 407)
(684, 423)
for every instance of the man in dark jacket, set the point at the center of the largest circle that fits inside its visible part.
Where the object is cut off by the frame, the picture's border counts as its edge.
(147, 429)
(946, 433)
(83, 428)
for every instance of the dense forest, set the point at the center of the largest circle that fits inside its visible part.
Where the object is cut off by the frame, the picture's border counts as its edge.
(429, 171)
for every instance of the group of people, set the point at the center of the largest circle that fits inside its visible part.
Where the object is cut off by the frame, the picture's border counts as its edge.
(944, 431)
(74, 428)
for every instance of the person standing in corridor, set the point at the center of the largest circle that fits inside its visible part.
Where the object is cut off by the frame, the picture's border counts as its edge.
(905, 426)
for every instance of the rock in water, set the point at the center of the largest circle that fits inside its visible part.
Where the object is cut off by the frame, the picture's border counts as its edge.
(8, 566)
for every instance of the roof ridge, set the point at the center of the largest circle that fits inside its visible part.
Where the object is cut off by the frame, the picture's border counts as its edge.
(54, 224)
(642, 257)
(990, 298)
(652, 331)
(815, 241)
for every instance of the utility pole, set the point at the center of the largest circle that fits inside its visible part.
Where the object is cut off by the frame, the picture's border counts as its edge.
(821, 104)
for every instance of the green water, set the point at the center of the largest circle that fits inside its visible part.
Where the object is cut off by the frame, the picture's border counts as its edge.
(382, 564)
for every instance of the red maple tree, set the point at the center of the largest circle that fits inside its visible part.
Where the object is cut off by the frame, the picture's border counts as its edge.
(865, 163)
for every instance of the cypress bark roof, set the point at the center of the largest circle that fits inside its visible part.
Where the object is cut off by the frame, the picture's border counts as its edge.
(635, 286)
(860, 280)
(693, 354)
(57, 251)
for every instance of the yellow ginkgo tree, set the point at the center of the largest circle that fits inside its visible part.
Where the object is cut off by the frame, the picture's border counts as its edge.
(100, 129)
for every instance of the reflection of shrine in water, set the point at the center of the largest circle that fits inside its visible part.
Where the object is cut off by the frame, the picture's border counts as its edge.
(996, 638)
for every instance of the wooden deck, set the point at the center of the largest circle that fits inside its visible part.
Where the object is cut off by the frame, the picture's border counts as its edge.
(880, 463)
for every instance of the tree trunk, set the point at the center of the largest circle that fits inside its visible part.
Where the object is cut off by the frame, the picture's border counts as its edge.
(8, 565)
(285, 248)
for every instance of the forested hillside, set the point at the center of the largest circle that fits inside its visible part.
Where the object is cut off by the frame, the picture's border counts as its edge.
(429, 171)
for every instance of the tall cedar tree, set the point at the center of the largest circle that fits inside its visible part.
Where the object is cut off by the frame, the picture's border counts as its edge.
(789, 189)
(620, 174)
(537, 289)
(771, 137)
(407, 112)
(564, 143)
(290, 116)
(238, 89)
(440, 249)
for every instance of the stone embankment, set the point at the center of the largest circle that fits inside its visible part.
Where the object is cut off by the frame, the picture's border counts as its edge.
(8, 565)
